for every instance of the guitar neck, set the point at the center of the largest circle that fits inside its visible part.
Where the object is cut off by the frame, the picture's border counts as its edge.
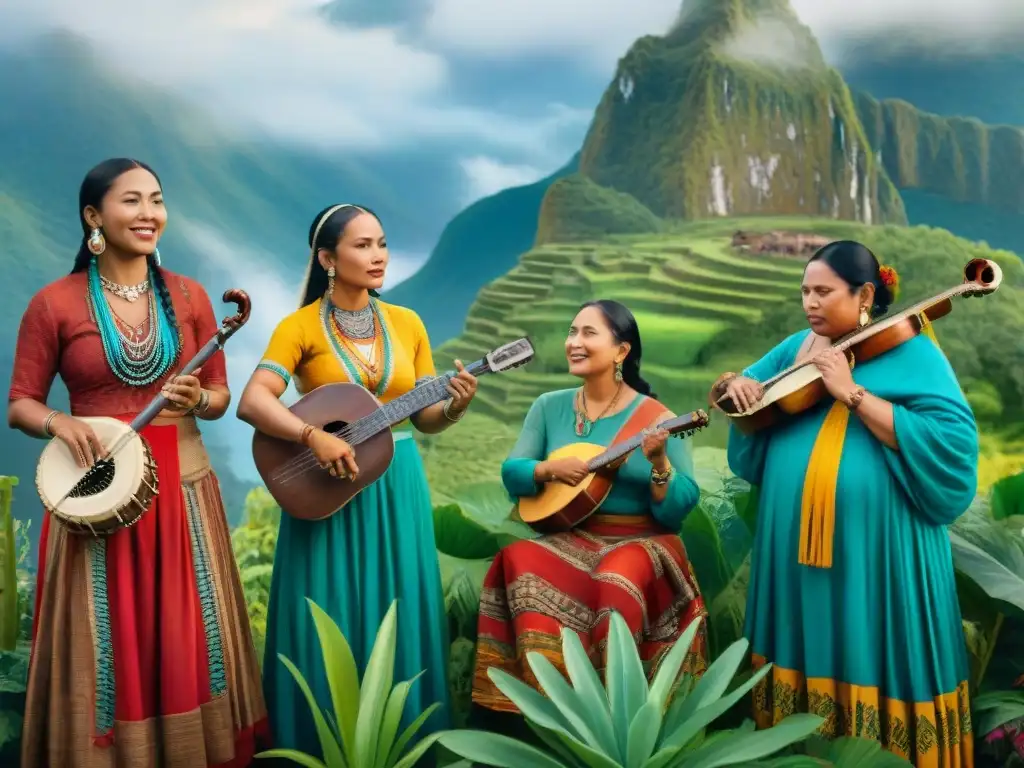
(617, 451)
(401, 408)
(880, 325)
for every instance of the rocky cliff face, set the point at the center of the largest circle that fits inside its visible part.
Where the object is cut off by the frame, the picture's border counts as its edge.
(956, 157)
(735, 112)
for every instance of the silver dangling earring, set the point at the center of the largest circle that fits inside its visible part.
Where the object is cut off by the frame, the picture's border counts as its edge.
(865, 318)
(330, 282)
(156, 256)
(96, 243)
(618, 372)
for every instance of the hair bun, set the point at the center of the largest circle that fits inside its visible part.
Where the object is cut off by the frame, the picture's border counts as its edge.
(890, 278)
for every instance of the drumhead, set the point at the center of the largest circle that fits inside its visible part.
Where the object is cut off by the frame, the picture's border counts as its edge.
(106, 492)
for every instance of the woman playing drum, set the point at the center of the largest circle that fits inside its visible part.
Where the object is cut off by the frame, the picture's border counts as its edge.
(142, 653)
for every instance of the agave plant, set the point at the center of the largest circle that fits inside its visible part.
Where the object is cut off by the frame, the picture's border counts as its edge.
(362, 733)
(628, 723)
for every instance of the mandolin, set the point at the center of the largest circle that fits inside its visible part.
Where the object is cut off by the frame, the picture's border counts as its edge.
(561, 507)
(800, 387)
(290, 470)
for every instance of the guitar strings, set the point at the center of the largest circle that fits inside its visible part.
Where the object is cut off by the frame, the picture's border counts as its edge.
(363, 428)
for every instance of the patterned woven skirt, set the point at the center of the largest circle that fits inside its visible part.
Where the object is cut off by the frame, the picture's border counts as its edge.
(623, 563)
(142, 654)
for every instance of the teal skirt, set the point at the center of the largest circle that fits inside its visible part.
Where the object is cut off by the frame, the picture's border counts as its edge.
(378, 548)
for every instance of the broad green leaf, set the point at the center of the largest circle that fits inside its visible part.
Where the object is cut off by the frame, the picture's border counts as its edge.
(668, 672)
(690, 726)
(342, 676)
(643, 734)
(587, 685)
(1008, 497)
(995, 709)
(376, 688)
(543, 714)
(572, 708)
(1000, 579)
(330, 747)
(557, 743)
(417, 752)
(458, 535)
(496, 750)
(713, 683)
(409, 732)
(392, 719)
(624, 676)
(294, 755)
(752, 746)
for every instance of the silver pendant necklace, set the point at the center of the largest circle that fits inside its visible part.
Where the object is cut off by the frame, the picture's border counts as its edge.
(356, 325)
(129, 293)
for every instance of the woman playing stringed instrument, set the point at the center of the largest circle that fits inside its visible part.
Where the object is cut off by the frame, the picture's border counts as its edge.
(627, 558)
(380, 546)
(852, 596)
(142, 653)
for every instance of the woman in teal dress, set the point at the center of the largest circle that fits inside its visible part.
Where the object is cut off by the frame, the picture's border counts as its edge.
(629, 557)
(852, 596)
(381, 545)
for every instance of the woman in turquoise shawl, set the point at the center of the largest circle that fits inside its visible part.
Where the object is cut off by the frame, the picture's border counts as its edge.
(852, 595)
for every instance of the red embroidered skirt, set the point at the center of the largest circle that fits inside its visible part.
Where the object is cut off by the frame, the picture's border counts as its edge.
(623, 563)
(142, 653)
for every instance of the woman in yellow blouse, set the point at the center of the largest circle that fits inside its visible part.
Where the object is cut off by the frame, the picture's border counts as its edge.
(381, 547)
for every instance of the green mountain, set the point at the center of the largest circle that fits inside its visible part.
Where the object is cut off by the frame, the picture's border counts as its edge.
(476, 246)
(693, 126)
(734, 113)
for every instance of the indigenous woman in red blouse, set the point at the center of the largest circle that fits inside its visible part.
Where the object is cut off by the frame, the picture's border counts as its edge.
(141, 653)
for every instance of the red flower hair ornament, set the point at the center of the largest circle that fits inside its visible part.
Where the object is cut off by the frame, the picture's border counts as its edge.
(890, 279)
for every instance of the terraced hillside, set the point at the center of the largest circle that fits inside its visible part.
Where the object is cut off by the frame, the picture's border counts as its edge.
(684, 290)
(704, 308)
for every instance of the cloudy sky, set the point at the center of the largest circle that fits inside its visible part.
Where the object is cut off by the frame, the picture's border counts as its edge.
(507, 88)
(502, 92)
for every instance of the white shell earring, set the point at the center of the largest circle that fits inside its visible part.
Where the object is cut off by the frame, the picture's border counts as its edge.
(96, 243)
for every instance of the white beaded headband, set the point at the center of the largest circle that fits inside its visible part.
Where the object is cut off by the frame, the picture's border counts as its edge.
(313, 249)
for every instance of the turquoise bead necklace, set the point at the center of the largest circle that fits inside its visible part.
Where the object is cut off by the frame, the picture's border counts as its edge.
(159, 352)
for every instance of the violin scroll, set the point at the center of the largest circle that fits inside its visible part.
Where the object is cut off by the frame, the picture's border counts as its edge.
(241, 300)
(984, 273)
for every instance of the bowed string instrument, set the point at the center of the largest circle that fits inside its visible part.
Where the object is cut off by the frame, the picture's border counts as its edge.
(800, 387)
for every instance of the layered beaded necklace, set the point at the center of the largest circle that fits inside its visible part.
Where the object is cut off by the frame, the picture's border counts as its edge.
(348, 331)
(137, 357)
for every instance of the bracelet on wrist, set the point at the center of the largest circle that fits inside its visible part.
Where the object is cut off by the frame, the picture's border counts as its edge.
(448, 413)
(201, 405)
(660, 478)
(49, 420)
(307, 430)
(853, 400)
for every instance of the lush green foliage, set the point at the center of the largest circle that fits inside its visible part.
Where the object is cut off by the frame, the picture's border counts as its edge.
(363, 731)
(575, 208)
(625, 721)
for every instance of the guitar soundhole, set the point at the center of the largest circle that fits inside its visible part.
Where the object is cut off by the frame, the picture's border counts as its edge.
(335, 427)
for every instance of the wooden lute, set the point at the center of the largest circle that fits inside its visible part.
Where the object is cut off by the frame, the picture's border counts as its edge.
(290, 470)
(800, 387)
(561, 507)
